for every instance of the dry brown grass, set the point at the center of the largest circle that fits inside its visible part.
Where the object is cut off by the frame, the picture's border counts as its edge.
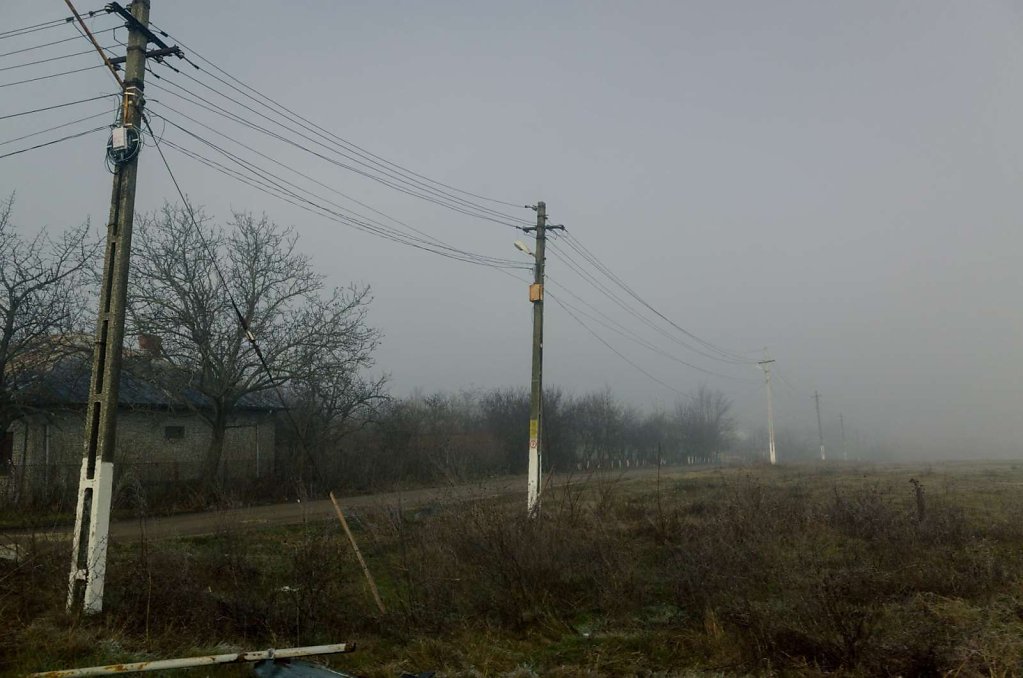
(799, 571)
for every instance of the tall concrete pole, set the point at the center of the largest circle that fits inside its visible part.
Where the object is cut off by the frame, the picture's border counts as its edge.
(841, 427)
(765, 365)
(536, 389)
(92, 518)
(820, 428)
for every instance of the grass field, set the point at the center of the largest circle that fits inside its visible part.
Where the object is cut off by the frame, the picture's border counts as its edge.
(801, 570)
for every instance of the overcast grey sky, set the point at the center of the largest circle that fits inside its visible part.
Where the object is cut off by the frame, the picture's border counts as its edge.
(835, 181)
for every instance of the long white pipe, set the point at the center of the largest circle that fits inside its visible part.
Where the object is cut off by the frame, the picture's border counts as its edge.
(191, 662)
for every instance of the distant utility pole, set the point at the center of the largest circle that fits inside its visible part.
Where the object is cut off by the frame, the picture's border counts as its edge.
(820, 429)
(841, 428)
(536, 392)
(92, 517)
(765, 365)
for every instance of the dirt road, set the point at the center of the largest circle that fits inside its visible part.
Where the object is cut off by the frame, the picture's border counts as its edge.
(273, 515)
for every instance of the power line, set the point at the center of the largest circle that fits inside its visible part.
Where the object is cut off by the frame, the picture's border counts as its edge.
(612, 348)
(55, 106)
(53, 75)
(210, 106)
(25, 30)
(248, 166)
(242, 322)
(610, 294)
(56, 127)
(388, 179)
(47, 60)
(46, 25)
(56, 42)
(726, 355)
(337, 138)
(619, 329)
(278, 187)
(55, 141)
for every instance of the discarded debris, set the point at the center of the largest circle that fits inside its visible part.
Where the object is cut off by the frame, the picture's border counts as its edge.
(207, 660)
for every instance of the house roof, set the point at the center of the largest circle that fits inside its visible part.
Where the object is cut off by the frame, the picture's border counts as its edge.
(144, 383)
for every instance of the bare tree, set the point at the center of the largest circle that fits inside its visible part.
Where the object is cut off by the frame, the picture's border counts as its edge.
(597, 419)
(704, 423)
(43, 291)
(301, 326)
(329, 400)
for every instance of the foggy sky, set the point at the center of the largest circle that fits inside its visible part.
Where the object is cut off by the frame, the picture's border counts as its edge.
(838, 182)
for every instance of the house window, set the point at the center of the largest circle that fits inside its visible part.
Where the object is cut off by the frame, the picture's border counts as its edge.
(173, 432)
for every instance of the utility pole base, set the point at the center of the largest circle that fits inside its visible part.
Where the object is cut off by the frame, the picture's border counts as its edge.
(89, 569)
(533, 477)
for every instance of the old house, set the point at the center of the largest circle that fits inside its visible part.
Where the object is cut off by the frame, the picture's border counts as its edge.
(162, 436)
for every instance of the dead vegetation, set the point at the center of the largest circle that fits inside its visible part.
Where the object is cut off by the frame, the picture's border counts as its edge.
(728, 572)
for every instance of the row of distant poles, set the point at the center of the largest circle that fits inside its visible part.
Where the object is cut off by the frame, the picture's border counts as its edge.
(92, 517)
(765, 365)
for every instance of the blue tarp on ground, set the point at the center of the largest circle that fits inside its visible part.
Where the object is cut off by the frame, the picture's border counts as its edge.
(269, 668)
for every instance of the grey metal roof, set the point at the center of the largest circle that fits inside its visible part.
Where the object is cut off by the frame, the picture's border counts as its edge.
(144, 383)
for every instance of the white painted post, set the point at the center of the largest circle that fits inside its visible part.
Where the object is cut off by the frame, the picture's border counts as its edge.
(94, 496)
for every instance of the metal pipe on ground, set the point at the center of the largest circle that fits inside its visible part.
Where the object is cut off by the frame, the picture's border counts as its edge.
(193, 662)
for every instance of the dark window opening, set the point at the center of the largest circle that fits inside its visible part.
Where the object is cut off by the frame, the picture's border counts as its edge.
(6, 452)
(173, 432)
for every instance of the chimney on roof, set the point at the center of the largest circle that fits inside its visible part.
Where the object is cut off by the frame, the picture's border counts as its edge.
(150, 345)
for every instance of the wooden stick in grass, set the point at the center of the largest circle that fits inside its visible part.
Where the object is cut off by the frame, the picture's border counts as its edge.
(358, 554)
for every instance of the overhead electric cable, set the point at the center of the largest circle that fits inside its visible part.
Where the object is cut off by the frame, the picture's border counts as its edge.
(622, 331)
(73, 38)
(55, 106)
(390, 180)
(56, 127)
(242, 322)
(248, 166)
(53, 75)
(282, 185)
(55, 141)
(610, 294)
(574, 243)
(234, 117)
(367, 154)
(43, 61)
(613, 349)
(87, 33)
(277, 186)
(24, 30)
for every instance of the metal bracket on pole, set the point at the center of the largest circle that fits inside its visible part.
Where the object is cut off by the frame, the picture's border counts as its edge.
(135, 24)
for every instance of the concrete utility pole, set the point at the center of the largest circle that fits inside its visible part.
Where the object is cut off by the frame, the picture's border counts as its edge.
(765, 365)
(536, 391)
(92, 518)
(820, 429)
(536, 387)
(841, 428)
